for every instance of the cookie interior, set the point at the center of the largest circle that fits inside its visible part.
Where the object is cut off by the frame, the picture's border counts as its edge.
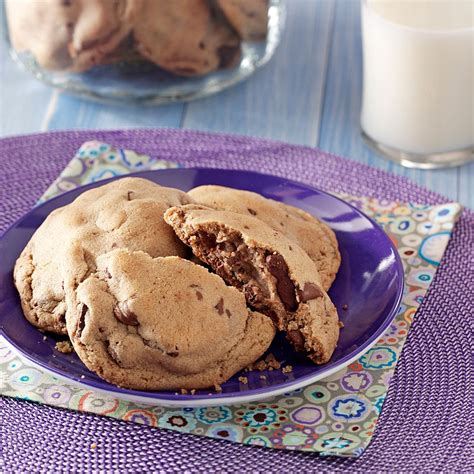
(262, 275)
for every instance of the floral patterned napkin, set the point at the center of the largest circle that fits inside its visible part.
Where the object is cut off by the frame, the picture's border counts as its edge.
(336, 416)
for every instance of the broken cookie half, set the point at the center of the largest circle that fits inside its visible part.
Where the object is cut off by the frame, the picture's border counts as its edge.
(276, 276)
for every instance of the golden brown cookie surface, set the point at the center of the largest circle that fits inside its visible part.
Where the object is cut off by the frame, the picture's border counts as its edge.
(312, 235)
(126, 213)
(162, 323)
(185, 37)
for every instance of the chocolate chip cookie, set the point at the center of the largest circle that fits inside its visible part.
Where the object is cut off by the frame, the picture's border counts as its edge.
(126, 213)
(185, 37)
(71, 35)
(161, 323)
(312, 235)
(248, 17)
(276, 276)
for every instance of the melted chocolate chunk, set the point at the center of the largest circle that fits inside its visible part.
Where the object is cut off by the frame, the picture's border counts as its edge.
(207, 240)
(199, 295)
(82, 320)
(227, 247)
(254, 213)
(286, 289)
(310, 292)
(296, 338)
(130, 195)
(220, 306)
(123, 313)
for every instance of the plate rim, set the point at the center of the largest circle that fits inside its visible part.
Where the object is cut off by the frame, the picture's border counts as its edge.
(183, 400)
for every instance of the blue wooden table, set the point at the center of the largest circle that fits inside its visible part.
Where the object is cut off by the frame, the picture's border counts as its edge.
(308, 94)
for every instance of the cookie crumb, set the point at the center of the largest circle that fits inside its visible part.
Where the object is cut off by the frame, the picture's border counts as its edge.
(269, 363)
(184, 391)
(217, 388)
(193, 391)
(345, 307)
(45, 338)
(83, 376)
(341, 324)
(272, 362)
(287, 369)
(244, 380)
(93, 446)
(63, 346)
(263, 377)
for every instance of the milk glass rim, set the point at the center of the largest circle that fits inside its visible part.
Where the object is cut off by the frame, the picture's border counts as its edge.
(412, 29)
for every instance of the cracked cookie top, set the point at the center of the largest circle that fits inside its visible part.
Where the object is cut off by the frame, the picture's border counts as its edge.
(312, 235)
(160, 323)
(126, 213)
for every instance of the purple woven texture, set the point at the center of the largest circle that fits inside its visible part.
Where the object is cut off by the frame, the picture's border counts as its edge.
(426, 423)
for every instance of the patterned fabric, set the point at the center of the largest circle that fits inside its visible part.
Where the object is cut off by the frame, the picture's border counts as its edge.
(336, 416)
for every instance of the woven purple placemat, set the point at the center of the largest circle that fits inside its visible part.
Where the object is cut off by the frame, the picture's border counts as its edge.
(427, 419)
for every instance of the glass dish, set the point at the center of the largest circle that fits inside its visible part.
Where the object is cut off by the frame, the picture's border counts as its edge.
(144, 83)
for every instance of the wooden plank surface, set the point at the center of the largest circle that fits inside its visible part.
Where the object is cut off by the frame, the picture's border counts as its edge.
(283, 100)
(308, 94)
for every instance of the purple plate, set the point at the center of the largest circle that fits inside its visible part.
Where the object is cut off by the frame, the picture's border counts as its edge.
(369, 282)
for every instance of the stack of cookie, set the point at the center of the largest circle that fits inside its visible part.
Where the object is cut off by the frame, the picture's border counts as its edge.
(185, 37)
(114, 271)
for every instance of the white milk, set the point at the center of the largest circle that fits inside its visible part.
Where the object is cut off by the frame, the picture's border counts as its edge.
(418, 74)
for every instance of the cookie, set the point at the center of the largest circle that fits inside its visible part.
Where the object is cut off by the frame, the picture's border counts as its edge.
(248, 17)
(71, 35)
(185, 37)
(162, 323)
(276, 276)
(312, 235)
(126, 213)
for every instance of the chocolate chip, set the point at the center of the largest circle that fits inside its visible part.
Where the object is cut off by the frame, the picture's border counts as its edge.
(130, 195)
(207, 240)
(199, 295)
(310, 292)
(172, 354)
(227, 55)
(123, 313)
(220, 306)
(229, 314)
(297, 339)
(201, 45)
(227, 247)
(286, 289)
(82, 320)
(246, 227)
(254, 213)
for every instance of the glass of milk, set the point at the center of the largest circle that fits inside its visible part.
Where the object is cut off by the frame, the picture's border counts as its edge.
(418, 93)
